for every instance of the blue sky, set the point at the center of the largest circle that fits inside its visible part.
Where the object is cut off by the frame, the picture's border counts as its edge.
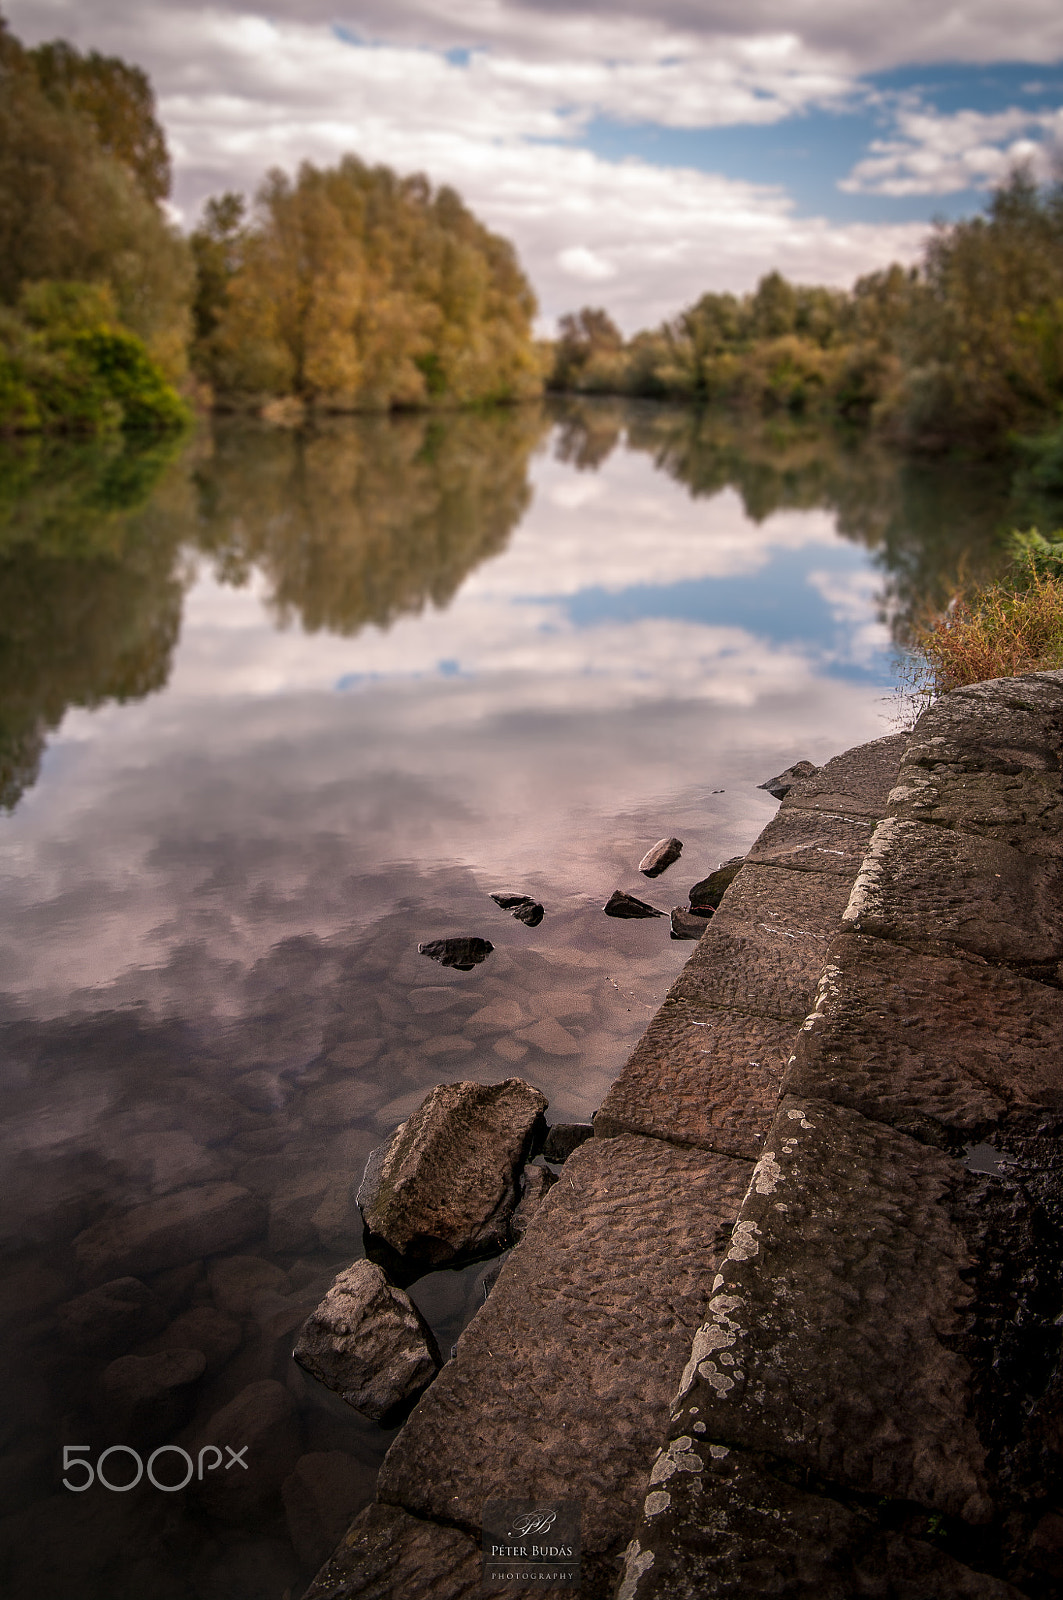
(637, 154)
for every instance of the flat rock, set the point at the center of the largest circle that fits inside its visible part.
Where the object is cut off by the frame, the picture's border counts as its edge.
(145, 1398)
(320, 1497)
(701, 1075)
(464, 954)
(780, 786)
(1023, 809)
(170, 1231)
(564, 1137)
(706, 895)
(1005, 725)
(112, 1317)
(521, 906)
(368, 1342)
(445, 1185)
(550, 1037)
(829, 1339)
(263, 1421)
(923, 885)
(855, 783)
(570, 1364)
(495, 1017)
(875, 1041)
(720, 1522)
(620, 904)
(688, 924)
(660, 858)
(386, 1553)
(813, 841)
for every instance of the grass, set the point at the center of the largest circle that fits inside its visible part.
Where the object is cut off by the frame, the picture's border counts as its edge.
(1002, 630)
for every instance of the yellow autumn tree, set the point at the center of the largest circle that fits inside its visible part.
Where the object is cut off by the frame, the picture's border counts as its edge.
(355, 289)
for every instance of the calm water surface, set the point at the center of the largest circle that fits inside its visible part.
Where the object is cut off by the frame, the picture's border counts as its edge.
(273, 710)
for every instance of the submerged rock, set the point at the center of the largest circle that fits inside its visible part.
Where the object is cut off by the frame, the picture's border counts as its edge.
(112, 1317)
(780, 787)
(689, 924)
(461, 953)
(168, 1232)
(620, 904)
(445, 1184)
(660, 858)
(522, 906)
(148, 1397)
(368, 1342)
(705, 896)
(563, 1138)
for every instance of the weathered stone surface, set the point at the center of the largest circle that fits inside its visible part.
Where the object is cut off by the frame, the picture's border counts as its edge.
(720, 1522)
(688, 924)
(620, 904)
(763, 951)
(661, 857)
(829, 1331)
(706, 895)
(112, 1317)
(464, 954)
(368, 1342)
(701, 1075)
(780, 786)
(168, 1232)
(445, 1184)
(1023, 809)
(813, 841)
(564, 1137)
(262, 1420)
(923, 885)
(918, 1040)
(386, 1553)
(857, 782)
(1005, 725)
(147, 1397)
(537, 1183)
(570, 1365)
(521, 906)
(320, 1498)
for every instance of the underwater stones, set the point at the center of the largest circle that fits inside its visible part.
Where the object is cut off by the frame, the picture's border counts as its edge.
(368, 1342)
(780, 787)
(147, 1397)
(660, 858)
(260, 1425)
(464, 954)
(705, 896)
(521, 906)
(170, 1231)
(688, 924)
(620, 904)
(320, 1497)
(445, 1185)
(111, 1317)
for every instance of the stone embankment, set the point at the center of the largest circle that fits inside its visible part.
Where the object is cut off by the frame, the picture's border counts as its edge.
(789, 1324)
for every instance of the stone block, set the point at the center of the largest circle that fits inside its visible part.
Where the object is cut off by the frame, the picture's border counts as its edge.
(928, 1042)
(830, 1332)
(927, 886)
(386, 1553)
(701, 1075)
(1022, 809)
(721, 1522)
(813, 841)
(856, 783)
(1007, 724)
(561, 1384)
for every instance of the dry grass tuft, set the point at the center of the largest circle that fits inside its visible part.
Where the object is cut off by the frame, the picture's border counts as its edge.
(995, 632)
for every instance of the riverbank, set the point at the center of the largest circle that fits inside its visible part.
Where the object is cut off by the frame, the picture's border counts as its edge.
(874, 1398)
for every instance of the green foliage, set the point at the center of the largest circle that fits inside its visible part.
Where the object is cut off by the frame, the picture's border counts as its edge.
(1033, 556)
(355, 289)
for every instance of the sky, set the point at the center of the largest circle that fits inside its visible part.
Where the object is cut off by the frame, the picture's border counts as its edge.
(637, 154)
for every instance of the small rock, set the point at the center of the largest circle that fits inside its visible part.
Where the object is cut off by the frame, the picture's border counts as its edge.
(705, 896)
(112, 1317)
(522, 906)
(563, 1138)
(262, 1423)
(689, 924)
(445, 1184)
(148, 1397)
(464, 954)
(537, 1182)
(780, 787)
(512, 1050)
(320, 1498)
(368, 1342)
(620, 904)
(494, 1017)
(551, 1038)
(660, 858)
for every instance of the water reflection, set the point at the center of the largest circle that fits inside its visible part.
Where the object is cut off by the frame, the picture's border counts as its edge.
(507, 668)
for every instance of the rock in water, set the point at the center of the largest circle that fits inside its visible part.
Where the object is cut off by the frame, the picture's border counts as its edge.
(523, 907)
(368, 1342)
(445, 1185)
(660, 858)
(689, 924)
(461, 953)
(780, 787)
(620, 904)
(705, 896)
(563, 1138)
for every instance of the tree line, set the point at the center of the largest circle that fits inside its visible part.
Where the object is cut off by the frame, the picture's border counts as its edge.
(964, 349)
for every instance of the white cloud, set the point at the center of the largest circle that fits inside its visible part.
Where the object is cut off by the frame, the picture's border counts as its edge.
(936, 153)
